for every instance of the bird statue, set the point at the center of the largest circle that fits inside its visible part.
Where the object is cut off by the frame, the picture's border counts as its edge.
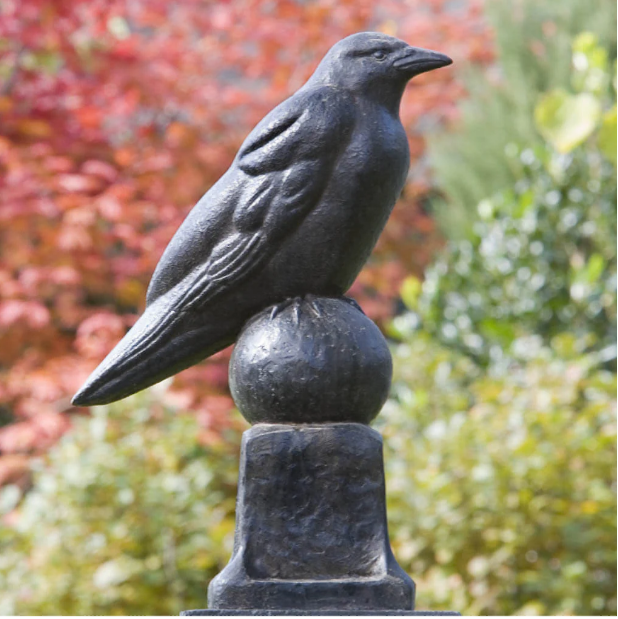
(297, 213)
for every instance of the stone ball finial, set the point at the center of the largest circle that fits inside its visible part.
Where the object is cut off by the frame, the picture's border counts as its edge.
(310, 360)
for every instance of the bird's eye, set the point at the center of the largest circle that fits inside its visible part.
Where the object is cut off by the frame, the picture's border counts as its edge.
(379, 54)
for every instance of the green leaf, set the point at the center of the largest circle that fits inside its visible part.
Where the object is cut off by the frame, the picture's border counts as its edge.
(587, 44)
(567, 120)
(594, 268)
(410, 291)
(590, 64)
(523, 203)
(607, 135)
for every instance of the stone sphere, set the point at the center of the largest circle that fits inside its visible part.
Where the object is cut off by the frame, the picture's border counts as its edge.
(312, 360)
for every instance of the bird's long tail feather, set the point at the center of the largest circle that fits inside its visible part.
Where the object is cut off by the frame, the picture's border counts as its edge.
(159, 345)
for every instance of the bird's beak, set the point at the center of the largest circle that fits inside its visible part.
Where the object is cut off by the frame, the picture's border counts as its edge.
(415, 60)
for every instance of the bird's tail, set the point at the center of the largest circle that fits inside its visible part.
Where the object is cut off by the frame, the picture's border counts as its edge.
(159, 345)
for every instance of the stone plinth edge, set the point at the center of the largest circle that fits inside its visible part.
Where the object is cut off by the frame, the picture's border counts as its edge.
(321, 613)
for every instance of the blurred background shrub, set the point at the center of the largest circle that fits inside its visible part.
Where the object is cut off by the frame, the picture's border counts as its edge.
(130, 515)
(501, 488)
(534, 42)
(500, 435)
(540, 255)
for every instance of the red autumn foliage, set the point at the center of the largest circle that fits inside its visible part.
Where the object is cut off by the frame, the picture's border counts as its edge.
(115, 117)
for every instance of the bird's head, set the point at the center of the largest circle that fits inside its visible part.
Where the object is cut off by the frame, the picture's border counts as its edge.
(376, 64)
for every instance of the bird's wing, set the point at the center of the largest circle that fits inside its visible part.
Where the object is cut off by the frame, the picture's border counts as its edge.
(278, 176)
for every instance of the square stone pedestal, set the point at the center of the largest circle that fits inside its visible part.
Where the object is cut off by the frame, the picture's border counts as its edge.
(311, 534)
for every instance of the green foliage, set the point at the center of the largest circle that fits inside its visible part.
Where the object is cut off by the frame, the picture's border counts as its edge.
(501, 489)
(567, 120)
(129, 516)
(607, 135)
(534, 42)
(541, 260)
(541, 257)
(501, 435)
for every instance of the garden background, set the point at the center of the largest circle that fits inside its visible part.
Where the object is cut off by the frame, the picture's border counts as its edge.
(495, 282)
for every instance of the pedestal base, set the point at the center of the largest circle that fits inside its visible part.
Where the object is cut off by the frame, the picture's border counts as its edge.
(311, 531)
(328, 613)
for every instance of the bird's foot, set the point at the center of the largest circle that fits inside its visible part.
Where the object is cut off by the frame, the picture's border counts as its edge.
(314, 304)
(295, 301)
(312, 301)
(277, 309)
(353, 303)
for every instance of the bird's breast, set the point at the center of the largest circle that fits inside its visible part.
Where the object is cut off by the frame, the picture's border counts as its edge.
(332, 244)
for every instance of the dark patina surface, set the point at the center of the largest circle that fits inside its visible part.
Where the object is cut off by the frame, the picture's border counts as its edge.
(311, 528)
(298, 212)
(314, 360)
(301, 613)
(272, 247)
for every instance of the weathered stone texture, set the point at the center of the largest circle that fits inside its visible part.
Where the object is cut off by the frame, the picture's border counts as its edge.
(311, 527)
